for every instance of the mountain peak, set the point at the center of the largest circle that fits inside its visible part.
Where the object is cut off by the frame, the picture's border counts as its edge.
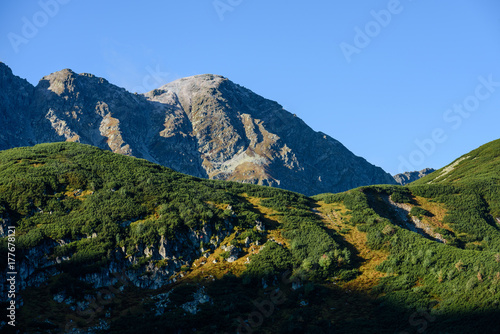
(408, 177)
(203, 125)
(195, 82)
(59, 81)
(60, 75)
(4, 68)
(66, 79)
(15, 98)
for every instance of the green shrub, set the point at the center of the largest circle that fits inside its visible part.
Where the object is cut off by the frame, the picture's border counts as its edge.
(419, 212)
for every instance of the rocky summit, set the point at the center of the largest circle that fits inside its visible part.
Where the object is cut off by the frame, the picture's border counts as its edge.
(205, 125)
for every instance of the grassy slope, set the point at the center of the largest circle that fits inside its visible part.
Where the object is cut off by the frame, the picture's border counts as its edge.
(96, 202)
(356, 268)
(481, 164)
(456, 283)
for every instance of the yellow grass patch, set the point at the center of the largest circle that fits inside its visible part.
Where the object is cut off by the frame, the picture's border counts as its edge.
(334, 217)
(78, 194)
(437, 209)
(203, 268)
(270, 216)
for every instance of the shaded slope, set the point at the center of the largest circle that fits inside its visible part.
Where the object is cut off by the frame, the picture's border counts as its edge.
(15, 120)
(88, 219)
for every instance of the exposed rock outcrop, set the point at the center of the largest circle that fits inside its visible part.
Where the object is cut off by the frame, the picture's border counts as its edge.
(37, 264)
(408, 177)
(413, 223)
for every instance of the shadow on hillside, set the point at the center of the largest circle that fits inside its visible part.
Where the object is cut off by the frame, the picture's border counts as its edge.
(356, 260)
(398, 216)
(294, 306)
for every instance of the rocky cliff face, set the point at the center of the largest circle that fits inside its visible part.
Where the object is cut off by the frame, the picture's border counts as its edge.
(408, 177)
(36, 266)
(205, 126)
(15, 98)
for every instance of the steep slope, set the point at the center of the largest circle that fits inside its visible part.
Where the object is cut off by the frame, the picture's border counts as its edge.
(15, 99)
(204, 125)
(481, 164)
(244, 137)
(441, 235)
(409, 177)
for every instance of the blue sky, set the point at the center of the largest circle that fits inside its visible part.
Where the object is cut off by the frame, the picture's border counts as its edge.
(405, 84)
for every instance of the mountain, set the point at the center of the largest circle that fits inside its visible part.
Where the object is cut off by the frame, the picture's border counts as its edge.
(108, 243)
(409, 177)
(15, 100)
(205, 126)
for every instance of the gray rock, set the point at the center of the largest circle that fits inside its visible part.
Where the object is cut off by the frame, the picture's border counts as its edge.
(408, 177)
(60, 297)
(260, 225)
(204, 125)
(35, 266)
(4, 224)
(234, 253)
(200, 297)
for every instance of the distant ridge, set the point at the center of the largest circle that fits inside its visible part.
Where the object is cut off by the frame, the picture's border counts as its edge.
(408, 177)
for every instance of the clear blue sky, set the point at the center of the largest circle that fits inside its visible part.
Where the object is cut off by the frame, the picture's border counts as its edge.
(396, 89)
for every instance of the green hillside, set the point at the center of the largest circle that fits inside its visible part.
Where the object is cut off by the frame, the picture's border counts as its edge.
(96, 230)
(479, 165)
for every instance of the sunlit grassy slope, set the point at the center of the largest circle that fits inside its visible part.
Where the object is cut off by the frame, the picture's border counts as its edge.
(340, 263)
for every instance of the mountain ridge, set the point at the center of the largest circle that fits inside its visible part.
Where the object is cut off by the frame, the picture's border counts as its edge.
(204, 125)
(409, 177)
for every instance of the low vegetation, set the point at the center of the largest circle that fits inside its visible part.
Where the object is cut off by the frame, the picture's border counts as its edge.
(340, 263)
